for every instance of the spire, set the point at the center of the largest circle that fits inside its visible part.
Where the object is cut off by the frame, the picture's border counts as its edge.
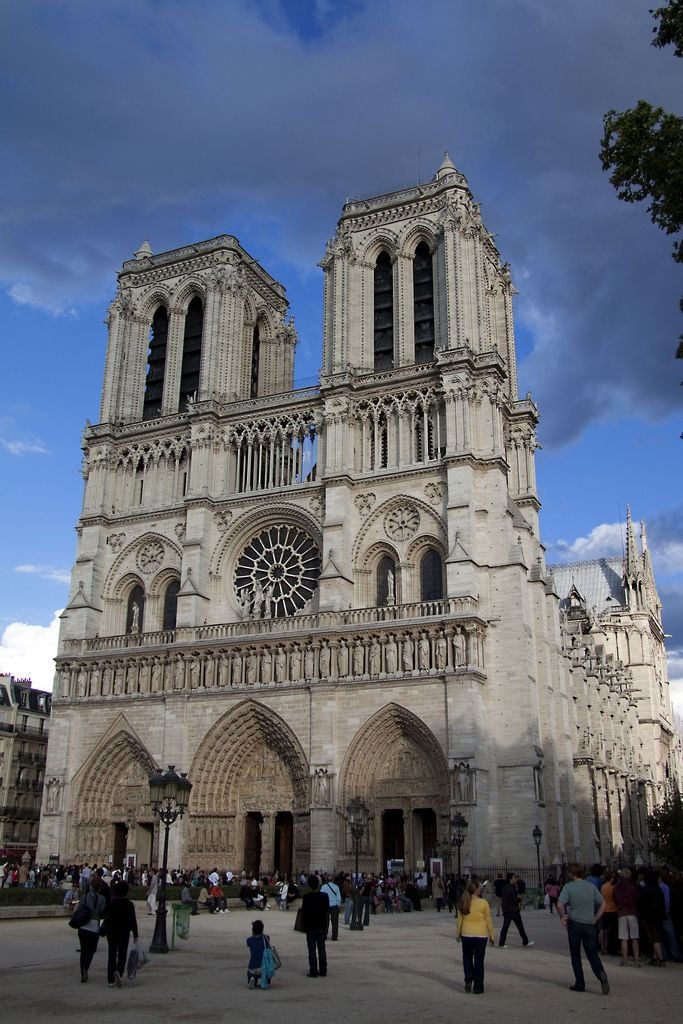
(144, 251)
(447, 167)
(633, 575)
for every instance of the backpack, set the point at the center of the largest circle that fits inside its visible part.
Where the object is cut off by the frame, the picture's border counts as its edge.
(81, 915)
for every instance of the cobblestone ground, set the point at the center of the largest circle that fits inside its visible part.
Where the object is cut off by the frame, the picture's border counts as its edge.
(402, 968)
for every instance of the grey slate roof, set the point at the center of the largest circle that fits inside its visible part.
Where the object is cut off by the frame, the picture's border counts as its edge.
(595, 580)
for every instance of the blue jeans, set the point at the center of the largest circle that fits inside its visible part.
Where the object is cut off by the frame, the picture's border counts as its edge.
(580, 934)
(473, 953)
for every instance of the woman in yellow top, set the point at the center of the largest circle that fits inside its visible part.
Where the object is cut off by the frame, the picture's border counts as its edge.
(475, 929)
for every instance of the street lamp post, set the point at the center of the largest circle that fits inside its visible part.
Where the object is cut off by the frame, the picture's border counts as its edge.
(169, 795)
(538, 835)
(358, 822)
(458, 834)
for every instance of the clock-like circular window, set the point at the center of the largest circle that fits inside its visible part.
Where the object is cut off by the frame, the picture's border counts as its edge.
(277, 573)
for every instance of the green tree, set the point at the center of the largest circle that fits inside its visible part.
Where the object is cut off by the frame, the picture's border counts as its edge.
(666, 831)
(643, 146)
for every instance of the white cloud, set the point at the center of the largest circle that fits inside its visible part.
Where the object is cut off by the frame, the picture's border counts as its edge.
(603, 540)
(668, 558)
(24, 447)
(27, 651)
(46, 572)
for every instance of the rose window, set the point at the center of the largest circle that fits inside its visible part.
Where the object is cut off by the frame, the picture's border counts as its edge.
(277, 573)
(402, 523)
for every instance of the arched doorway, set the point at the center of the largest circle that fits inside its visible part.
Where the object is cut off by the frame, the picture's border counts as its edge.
(113, 818)
(249, 805)
(397, 766)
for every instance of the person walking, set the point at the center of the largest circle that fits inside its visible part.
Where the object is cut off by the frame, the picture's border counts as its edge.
(119, 922)
(439, 891)
(89, 933)
(511, 912)
(581, 906)
(475, 930)
(333, 893)
(315, 908)
(152, 892)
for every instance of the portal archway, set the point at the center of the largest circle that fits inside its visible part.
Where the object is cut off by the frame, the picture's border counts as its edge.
(113, 815)
(396, 764)
(249, 805)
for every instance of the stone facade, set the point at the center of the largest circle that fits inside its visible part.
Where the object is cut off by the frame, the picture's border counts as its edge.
(302, 596)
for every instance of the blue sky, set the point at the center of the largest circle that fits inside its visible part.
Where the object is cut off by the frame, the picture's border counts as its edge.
(174, 120)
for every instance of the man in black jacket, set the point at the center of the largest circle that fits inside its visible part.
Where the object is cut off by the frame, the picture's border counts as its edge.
(315, 909)
(510, 908)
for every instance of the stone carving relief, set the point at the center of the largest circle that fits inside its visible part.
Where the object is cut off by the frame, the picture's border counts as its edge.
(179, 530)
(364, 502)
(222, 520)
(150, 556)
(434, 492)
(402, 523)
(116, 541)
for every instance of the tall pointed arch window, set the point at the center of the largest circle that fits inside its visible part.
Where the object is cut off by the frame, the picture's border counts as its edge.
(255, 361)
(431, 576)
(156, 365)
(171, 605)
(192, 353)
(135, 611)
(386, 582)
(384, 312)
(423, 304)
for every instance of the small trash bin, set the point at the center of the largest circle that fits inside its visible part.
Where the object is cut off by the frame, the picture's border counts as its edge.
(181, 921)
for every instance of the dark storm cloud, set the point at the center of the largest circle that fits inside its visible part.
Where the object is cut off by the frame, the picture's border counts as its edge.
(179, 120)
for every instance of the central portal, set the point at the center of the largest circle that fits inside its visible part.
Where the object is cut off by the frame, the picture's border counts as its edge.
(393, 839)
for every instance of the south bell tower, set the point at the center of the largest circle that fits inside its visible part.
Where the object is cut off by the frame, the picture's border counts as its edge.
(304, 596)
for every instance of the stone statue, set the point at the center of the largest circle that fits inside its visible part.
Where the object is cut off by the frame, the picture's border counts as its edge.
(266, 665)
(441, 651)
(195, 673)
(280, 665)
(268, 602)
(407, 653)
(156, 676)
(52, 795)
(322, 786)
(375, 658)
(81, 682)
(343, 659)
(106, 679)
(295, 663)
(423, 653)
(135, 618)
(390, 655)
(95, 682)
(257, 601)
(143, 681)
(325, 660)
(358, 659)
(236, 668)
(391, 587)
(459, 649)
(309, 663)
(119, 679)
(252, 666)
(179, 673)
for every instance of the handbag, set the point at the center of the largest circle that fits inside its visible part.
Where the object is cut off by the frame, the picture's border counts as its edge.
(277, 961)
(81, 915)
(299, 920)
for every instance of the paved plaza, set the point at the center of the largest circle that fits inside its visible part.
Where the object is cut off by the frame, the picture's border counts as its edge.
(403, 968)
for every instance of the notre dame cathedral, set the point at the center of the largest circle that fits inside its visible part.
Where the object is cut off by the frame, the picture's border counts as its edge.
(303, 596)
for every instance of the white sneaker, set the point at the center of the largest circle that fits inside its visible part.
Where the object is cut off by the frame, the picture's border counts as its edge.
(530, 943)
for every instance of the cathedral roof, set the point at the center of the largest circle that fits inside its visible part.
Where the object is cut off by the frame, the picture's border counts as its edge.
(598, 581)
